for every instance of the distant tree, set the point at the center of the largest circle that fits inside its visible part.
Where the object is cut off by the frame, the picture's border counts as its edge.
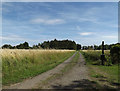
(78, 47)
(20, 46)
(35, 47)
(39, 46)
(74, 45)
(45, 45)
(25, 45)
(59, 44)
(95, 47)
(6, 46)
(84, 48)
(90, 47)
(99, 47)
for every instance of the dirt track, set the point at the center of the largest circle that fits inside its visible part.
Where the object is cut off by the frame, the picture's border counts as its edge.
(75, 78)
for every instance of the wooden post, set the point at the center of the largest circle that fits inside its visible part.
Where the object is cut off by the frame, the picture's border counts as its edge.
(102, 47)
(102, 56)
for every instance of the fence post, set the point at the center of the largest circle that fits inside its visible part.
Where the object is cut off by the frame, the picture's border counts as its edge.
(102, 56)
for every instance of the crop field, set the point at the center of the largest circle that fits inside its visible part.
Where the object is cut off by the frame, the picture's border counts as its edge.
(107, 73)
(20, 64)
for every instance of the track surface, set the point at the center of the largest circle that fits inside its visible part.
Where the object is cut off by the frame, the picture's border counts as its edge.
(76, 78)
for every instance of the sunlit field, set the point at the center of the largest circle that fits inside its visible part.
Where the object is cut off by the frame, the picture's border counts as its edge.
(18, 64)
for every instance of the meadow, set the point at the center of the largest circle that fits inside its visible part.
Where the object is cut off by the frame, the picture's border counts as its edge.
(19, 64)
(107, 73)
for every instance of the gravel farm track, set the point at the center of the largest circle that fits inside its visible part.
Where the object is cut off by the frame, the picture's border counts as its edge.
(75, 78)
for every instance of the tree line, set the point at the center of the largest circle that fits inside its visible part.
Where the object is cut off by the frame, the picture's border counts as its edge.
(57, 44)
(97, 47)
(53, 44)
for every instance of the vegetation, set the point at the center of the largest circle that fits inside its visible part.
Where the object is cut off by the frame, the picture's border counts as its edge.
(107, 73)
(53, 44)
(104, 74)
(112, 71)
(57, 44)
(93, 57)
(115, 53)
(24, 45)
(97, 47)
(112, 56)
(20, 64)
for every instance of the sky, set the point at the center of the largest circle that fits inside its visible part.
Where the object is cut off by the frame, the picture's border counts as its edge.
(60, 1)
(86, 23)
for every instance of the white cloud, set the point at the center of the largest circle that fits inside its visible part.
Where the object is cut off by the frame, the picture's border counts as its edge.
(110, 37)
(86, 33)
(48, 21)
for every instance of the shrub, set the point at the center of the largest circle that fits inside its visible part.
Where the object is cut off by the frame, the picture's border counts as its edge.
(115, 53)
(94, 57)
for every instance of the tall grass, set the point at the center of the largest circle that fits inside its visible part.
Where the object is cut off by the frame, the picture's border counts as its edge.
(20, 64)
(94, 56)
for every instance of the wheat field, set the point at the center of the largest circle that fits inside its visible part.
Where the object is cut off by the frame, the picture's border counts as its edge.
(19, 64)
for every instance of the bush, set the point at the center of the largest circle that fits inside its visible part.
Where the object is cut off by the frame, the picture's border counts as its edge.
(115, 53)
(94, 57)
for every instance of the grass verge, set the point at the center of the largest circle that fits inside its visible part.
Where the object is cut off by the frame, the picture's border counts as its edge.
(104, 75)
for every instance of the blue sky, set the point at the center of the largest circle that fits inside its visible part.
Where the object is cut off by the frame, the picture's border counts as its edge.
(86, 23)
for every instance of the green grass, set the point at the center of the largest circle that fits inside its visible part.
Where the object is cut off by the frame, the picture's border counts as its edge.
(94, 57)
(108, 73)
(24, 64)
(112, 72)
(97, 75)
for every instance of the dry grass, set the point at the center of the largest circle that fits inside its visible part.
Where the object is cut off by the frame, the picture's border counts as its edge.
(18, 64)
